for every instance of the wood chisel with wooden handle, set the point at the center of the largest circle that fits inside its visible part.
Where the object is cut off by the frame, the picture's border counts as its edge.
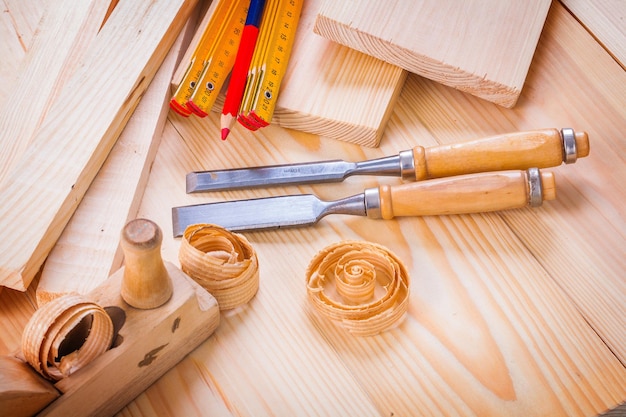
(520, 150)
(470, 193)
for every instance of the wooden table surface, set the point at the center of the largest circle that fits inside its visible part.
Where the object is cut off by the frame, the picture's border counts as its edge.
(518, 313)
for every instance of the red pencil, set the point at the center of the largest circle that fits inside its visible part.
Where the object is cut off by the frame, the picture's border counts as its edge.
(237, 84)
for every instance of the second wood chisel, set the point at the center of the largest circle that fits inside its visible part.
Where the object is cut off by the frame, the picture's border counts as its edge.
(521, 150)
(461, 194)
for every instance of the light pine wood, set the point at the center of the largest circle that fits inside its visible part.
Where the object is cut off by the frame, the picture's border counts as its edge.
(468, 272)
(590, 237)
(472, 193)
(22, 391)
(334, 91)
(88, 250)
(605, 20)
(481, 47)
(328, 89)
(17, 27)
(518, 313)
(43, 190)
(62, 39)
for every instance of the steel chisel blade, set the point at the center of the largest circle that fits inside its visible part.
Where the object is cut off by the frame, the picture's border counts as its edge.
(265, 213)
(229, 179)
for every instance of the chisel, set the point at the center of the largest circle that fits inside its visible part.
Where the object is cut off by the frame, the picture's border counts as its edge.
(470, 193)
(520, 150)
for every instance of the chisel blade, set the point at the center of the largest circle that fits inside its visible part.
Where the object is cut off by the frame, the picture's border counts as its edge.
(305, 173)
(264, 213)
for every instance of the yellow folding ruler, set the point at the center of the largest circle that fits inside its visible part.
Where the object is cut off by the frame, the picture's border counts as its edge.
(269, 62)
(212, 59)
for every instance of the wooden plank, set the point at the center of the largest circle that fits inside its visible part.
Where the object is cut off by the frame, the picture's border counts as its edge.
(18, 22)
(334, 91)
(88, 251)
(44, 189)
(17, 27)
(23, 392)
(480, 47)
(63, 37)
(329, 89)
(604, 19)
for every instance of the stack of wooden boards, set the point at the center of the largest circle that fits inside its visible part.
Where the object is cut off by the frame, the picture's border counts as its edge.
(58, 137)
(481, 47)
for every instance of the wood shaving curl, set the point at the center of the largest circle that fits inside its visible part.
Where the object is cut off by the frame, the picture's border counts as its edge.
(70, 322)
(361, 285)
(222, 262)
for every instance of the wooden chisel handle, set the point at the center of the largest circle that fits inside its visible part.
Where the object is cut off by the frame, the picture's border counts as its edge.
(471, 193)
(520, 150)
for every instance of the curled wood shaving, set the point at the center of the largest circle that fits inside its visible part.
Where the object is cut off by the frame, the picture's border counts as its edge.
(361, 285)
(222, 262)
(52, 324)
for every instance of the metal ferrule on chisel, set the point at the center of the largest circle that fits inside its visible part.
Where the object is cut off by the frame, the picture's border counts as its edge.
(520, 150)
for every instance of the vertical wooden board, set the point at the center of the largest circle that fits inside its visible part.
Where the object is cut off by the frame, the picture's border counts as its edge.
(43, 190)
(87, 251)
(481, 47)
(605, 20)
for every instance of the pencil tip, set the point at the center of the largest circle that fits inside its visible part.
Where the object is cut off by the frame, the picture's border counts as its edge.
(225, 132)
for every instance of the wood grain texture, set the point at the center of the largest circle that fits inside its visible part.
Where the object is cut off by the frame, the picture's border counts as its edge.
(604, 19)
(88, 251)
(591, 254)
(480, 47)
(517, 314)
(18, 22)
(62, 39)
(492, 328)
(42, 191)
(469, 306)
(334, 91)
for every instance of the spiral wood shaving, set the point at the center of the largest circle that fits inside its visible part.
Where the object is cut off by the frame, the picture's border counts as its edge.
(51, 325)
(361, 285)
(222, 262)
